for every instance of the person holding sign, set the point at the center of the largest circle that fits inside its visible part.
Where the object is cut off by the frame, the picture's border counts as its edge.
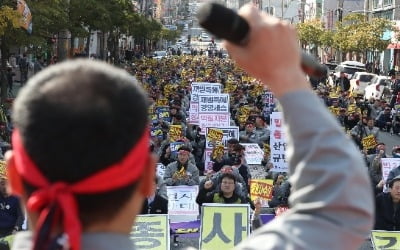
(388, 208)
(331, 205)
(88, 196)
(366, 135)
(182, 171)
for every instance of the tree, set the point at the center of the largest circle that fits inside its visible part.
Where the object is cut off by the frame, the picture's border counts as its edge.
(10, 21)
(310, 33)
(358, 35)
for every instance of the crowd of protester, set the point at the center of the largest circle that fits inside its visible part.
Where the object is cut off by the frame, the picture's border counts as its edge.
(168, 81)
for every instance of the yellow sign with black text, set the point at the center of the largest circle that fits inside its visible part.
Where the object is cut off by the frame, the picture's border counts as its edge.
(223, 226)
(151, 232)
(385, 240)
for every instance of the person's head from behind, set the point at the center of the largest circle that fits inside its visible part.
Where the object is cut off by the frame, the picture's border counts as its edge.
(82, 126)
(228, 184)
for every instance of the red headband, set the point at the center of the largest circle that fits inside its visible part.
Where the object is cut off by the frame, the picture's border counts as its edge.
(113, 177)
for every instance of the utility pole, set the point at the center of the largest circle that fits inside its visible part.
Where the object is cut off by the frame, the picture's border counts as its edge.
(339, 12)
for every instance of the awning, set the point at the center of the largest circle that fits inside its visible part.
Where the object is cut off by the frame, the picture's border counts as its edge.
(394, 46)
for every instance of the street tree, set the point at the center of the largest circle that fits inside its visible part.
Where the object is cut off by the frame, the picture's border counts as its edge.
(310, 33)
(356, 34)
(10, 21)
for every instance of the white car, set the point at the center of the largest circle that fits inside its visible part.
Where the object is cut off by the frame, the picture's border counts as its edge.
(360, 81)
(349, 68)
(378, 88)
(160, 54)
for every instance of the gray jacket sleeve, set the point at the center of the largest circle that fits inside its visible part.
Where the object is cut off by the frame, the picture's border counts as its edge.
(331, 200)
(169, 171)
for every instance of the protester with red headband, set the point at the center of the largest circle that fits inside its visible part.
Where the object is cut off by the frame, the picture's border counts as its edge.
(80, 154)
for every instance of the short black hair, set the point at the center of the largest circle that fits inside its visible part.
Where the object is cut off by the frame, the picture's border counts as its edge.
(185, 148)
(229, 176)
(233, 141)
(77, 118)
(395, 179)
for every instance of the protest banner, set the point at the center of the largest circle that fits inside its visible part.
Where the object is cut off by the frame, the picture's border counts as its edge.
(369, 142)
(156, 132)
(269, 104)
(223, 226)
(261, 189)
(218, 103)
(182, 200)
(151, 232)
(228, 133)
(253, 153)
(278, 143)
(213, 120)
(214, 135)
(175, 132)
(187, 229)
(385, 239)
(194, 113)
(163, 113)
(208, 164)
(204, 88)
(218, 152)
(174, 146)
(387, 165)
(160, 170)
(200, 88)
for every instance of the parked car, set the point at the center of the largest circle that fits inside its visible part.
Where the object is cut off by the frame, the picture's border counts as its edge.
(160, 54)
(331, 66)
(360, 81)
(378, 88)
(349, 68)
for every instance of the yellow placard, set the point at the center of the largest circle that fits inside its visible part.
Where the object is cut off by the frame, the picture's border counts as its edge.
(369, 142)
(245, 110)
(387, 240)
(223, 226)
(151, 232)
(218, 151)
(261, 189)
(215, 135)
(162, 102)
(3, 170)
(175, 132)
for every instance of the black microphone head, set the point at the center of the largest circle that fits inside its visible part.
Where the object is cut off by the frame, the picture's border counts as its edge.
(223, 23)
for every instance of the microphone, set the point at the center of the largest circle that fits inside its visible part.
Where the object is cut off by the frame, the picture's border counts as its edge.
(227, 24)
